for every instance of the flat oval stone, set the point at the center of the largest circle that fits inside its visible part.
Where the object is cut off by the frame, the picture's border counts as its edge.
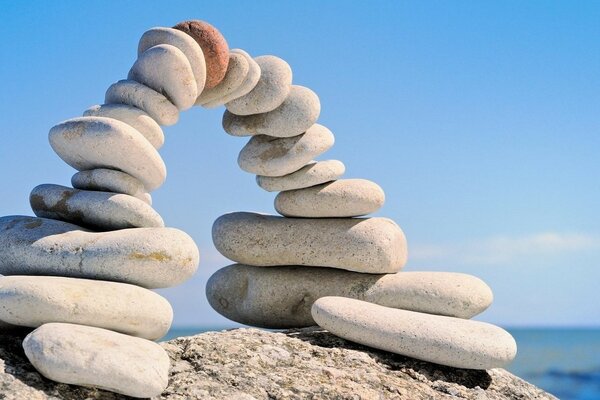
(147, 257)
(369, 245)
(110, 180)
(36, 300)
(133, 93)
(270, 91)
(298, 112)
(454, 342)
(89, 356)
(268, 156)
(281, 297)
(343, 198)
(237, 69)
(214, 47)
(312, 174)
(97, 142)
(165, 69)
(98, 210)
(183, 42)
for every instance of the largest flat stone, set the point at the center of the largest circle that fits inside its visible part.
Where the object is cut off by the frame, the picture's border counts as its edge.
(147, 257)
(370, 245)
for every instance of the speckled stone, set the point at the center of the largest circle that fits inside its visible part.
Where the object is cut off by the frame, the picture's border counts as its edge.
(298, 112)
(97, 142)
(165, 69)
(110, 180)
(237, 69)
(89, 356)
(281, 297)
(98, 210)
(147, 257)
(133, 93)
(36, 300)
(312, 174)
(133, 117)
(443, 340)
(245, 87)
(268, 156)
(342, 198)
(369, 245)
(183, 42)
(270, 91)
(214, 47)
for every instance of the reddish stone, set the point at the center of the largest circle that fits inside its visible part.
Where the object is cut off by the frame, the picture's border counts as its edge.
(213, 45)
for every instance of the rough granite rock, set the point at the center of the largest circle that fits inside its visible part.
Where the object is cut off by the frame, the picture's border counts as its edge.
(251, 364)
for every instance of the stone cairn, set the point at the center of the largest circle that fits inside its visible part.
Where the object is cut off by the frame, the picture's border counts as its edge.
(80, 272)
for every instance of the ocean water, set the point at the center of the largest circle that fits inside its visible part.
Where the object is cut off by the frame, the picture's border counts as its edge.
(564, 362)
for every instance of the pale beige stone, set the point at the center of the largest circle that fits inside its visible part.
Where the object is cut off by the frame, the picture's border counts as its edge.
(237, 69)
(246, 86)
(110, 180)
(312, 174)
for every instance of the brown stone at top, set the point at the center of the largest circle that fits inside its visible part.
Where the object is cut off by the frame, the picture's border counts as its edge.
(213, 45)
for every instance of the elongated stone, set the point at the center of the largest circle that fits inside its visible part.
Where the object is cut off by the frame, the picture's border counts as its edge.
(245, 87)
(98, 210)
(312, 174)
(268, 156)
(369, 245)
(98, 142)
(183, 42)
(281, 297)
(110, 180)
(89, 356)
(132, 116)
(343, 198)
(165, 69)
(237, 69)
(270, 91)
(443, 340)
(147, 257)
(298, 112)
(133, 93)
(36, 300)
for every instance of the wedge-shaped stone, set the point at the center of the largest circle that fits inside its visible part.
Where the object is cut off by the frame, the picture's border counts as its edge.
(270, 91)
(98, 142)
(36, 300)
(268, 156)
(370, 245)
(110, 180)
(89, 356)
(141, 96)
(312, 174)
(443, 340)
(237, 69)
(281, 297)
(343, 198)
(147, 257)
(165, 69)
(298, 112)
(99, 210)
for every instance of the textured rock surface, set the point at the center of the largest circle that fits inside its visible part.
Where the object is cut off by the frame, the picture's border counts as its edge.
(245, 87)
(250, 364)
(313, 173)
(110, 180)
(237, 69)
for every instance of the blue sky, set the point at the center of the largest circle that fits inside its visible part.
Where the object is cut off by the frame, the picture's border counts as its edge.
(481, 121)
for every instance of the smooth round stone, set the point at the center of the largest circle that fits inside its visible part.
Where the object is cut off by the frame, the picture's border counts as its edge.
(183, 42)
(98, 210)
(312, 174)
(133, 117)
(298, 112)
(270, 91)
(97, 142)
(268, 156)
(214, 47)
(89, 356)
(342, 198)
(369, 245)
(281, 297)
(147, 257)
(165, 69)
(237, 69)
(36, 300)
(110, 180)
(454, 342)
